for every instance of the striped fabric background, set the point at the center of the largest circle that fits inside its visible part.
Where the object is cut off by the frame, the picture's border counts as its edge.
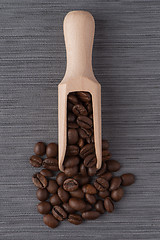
(126, 60)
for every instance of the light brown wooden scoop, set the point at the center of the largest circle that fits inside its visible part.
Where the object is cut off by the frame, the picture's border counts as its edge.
(79, 28)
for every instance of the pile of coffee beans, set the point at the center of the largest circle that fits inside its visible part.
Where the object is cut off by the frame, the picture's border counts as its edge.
(81, 192)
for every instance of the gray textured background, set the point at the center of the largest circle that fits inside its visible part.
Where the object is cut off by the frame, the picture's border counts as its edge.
(126, 60)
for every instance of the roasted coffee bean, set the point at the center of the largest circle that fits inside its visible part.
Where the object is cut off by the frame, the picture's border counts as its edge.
(92, 139)
(101, 184)
(89, 188)
(91, 116)
(72, 125)
(55, 200)
(104, 194)
(84, 122)
(90, 198)
(99, 206)
(113, 165)
(81, 142)
(71, 117)
(75, 219)
(117, 194)
(83, 170)
(108, 204)
(88, 106)
(52, 150)
(46, 173)
(51, 164)
(70, 172)
(68, 208)
(52, 186)
(44, 207)
(69, 106)
(63, 195)
(84, 96)
(42, 194)
(72, 136)
(127, 179)
(115, 183)
(72, 150)
(105, 145)
(39, 180)
(72, 98)
(77, 193)
(106, 155)
(107, 176)
(77, 203)
(90, 215)
(79, 109)
(88, 140)
(81, 179)
(50, 221)
(61, 177)
(92, 171)
(87, 208)
(40, 148)
(70, 185)
(59, 213)
(71, 161)
(84, 133)
(35, 161)
(86, 150)
(90, 160)
(102, 170)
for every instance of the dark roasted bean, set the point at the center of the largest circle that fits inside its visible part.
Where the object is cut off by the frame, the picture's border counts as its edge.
(75, 219)
(68, 208)
(72, 171)
(70, 185)
(71, 161)
(52, 150)
(127, 179)
(44, 207)
(77, 193)
(104, 194)
(46, 173)
(89, 188)
(55, 200)
(92, 171)
(42, 194)
(77, 203)
(50, 221)
(84, 96)
(72, 98)
(113, 165)
(79, 109)
(40, 148)
(35, 161)
(90, 160)
(83, 170)
(105, 145)
(87, 208)
(63, 195)
(84, 133)
(115, 183)
(52, 186)
(72, 136)
(90, 215)
(69, 106)
(88, 106)
(81, 142)
(90, 198)
(102, 170)
(72, 125)
(71, 117)
(81, 179)
(86, 150)
(107, 176)
(39, 180)
(106, 155)
(108, 204)
(99, 206)
(101, 184)
(51, 164)
(117, 194)
(84, 122)
(59, 213)
(61, 177)
(72, 150)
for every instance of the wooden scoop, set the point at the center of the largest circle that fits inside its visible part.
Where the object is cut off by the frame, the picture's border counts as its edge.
(79, 28)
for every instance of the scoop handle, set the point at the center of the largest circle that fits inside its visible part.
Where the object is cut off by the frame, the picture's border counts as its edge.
(79, 28)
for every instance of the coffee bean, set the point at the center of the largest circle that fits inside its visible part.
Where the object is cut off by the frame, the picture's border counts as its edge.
(88, 106)
(99, 206)
(104, 194)
(102, 170)
(72, 150)
(39, 180)
(84, 122)
(70, 185)
(113, 165)
(46, 173)
(44, 207)
(69, 106)
(52, 150)
(52, 186)
(90, 215)
(105, 145)
(77, 193)
(71, 117)
(81, 142)
(115, 183)
(107, 176)
(72, 136)
(75, 219)
(117, 194)
(84, 96)
(50, 221)
(51, 164)
(61, 177)
(83, 170)
(108, 204)
(89, 188)
(91, 116)
(90, 160)
(90, 198)
(92, 139)
(71, 161)
(127, 179)
(72, 125)
(88, 140)
(40, 148)
(35, 161)
(84, 133)
(72, 98)
(81, 179)
(87, 208)
(42, 194)
(106, 155)
(77, 203)
(70, 172)
(68, 208)
(79, 109)
(59, 213)
(86, 150)
(101, 184)
(92, 171)
(63, 195)
(55, 200)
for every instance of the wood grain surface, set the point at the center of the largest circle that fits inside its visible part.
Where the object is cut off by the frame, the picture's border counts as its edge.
(126, 60)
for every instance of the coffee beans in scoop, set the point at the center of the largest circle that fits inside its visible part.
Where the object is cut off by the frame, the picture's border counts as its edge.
(81, 192)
